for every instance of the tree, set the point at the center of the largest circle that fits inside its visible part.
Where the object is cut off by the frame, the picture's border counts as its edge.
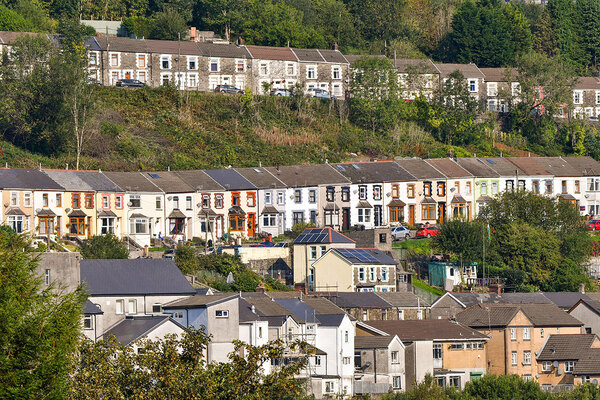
(175, 368)
(39, 325)
(186, 258)
(169, 25)
(463, 238)
(104, 247)
(504, 387)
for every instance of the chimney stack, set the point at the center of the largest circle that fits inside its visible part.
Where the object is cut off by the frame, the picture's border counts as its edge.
(335, 45)
(582, 288)
(260, 288)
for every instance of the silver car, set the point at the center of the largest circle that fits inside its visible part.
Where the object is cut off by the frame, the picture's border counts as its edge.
(320, 94)
(400, 232)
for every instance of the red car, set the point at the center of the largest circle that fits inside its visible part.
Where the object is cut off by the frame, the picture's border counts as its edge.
(593, 224)
(427, 231)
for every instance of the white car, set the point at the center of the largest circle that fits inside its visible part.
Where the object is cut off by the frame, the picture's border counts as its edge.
(400, 232)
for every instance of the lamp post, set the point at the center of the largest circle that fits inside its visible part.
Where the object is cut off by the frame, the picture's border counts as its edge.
(129, 204)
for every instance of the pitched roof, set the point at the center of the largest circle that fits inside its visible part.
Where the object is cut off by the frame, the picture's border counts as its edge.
(372, 342)
(200, 301)
(587, 83)
(402, 299)
(123, 44)
(415, 65)
(168, 182)
(271, 53)
(565, 347)
(308, 175)
(134, 277)
(322, 236)
(420, 169)
(502, 166)
(586, 165)
(449, 167)
(427, 329)
(267, 307)
(199, 180)
(529, 166)
(182, 47)
(27, 179)
(322, 305)
(565, 300)
(373, 172)
(133, 182)
(588, 364)
(500, 314)
(470, 299)
(477, 168)
(223, 50)
(594, 305)
(499, 74)
(70, 180)
(358, 300)
(468, 70)
(557, 166)
(91, 308)
(354, 57)
(260, 177)
(9, 37)
(308, 55)
(333, 56)
(365, 256)
(301, 310)
(230, 179)
(132, 328)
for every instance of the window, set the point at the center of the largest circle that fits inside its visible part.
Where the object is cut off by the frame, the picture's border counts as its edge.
(577, 187)
(372, 274)
(521, 184)
(597, 96)
(77, 225)
(494, 187)
(513, 358)
(365, 315)
(563, 186)
(280, 198)
(526, 333)
(297, 217)
(400, 315)
(376, 192)
(336, 72)
(107, 225)
(440, 381)
(47, 277)
(260, 333)
(222, 313)
(213, 65)
(548, 187)
(510, 185)
(290, 68)
(268, 197)
(484, 188)
(138, 226)
(437, 351)
(313, 252)
(515, 88)
(395, 357)
(235, 198)
(141, 60)
(156, 308)
(119, 201)
(330, 194)
(165, 62)
(323, 250)
(454, 381)
(384, 274)
(527, 357)
(329, 386)
(428, 211)
(361, 274)
(251, 199)
(569, 365)
(419, 314)
(88, 322)
(132, 306)
(236, 223)
(93, 58)
(158, 202)
(395, 191)
(427, 188)
(312, 196)
(546, 366)
(188, 202)
(27, 199)
(457, 346)
(397, 382)
(89, 200)
(119, 307)
(346, 336)
(362, 192)
(311, 72)
(410, 191)
(577, 97)
(457, 187)
(441, 188)
(513, 334)
(313, 217)
(192, 63)
(472, 85)
(75, 200)
(492, 89)
(346, 360)
(364, 215)
(263, 68)
(176, 202)
(114, 59)
(58, 200)
(396, 213)
(535, 187)
(240, 65)
(218, 201)
(135, 200)
(298, 196)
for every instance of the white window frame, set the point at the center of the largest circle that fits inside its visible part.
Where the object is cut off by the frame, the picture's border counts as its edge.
(397, 382)
(527, 357)
(120, 307)
(577, 96)
(492, 89)
(263, 65)
(132, 306)
(513, 358)
(237, 64)
(293, 67)
(93, 57)
(513, 334)
(395, 357)
(222, 314)
(213, 61)
(336, 70)
(311, 68)
(192, 59)
(167, 58)
(27, 199)
(142, 76)
(167, 75)
(280, 198)
(597, 96)
(475, 84)
(269, 198)
(526, 334)
(569, 365)
(547, 366)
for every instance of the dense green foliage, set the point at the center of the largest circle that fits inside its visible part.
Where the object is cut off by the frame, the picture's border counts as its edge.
(104, 247)
(175, 368)
(463, 239)
(39, 326)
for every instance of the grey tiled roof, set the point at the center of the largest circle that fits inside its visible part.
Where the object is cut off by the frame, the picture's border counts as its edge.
(133, 182)
(260, 177)
(91, 308)
(588, 364)
(358, 300)
(565, 347)
(586, 165)
(420, 169)
(27, 179)
(98, 181)
(565, 300)
(308, 175)
(199, 180)
(373, 172)
(300, 310)
(540, 315)
(134, 277)
(502, 166)
(130, 329)
(477, 168)
(428, 329)
(401, 299)
(201, 301)
(557, 166)
(230, 179)
(168, 182)
(372, 342)
(449, 167)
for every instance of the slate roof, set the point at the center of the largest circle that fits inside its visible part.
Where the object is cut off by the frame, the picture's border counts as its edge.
(477, 168)
(557, 166)
(200, 301)
(415, 65)
(271, 53)
(261, 178)
(373, 172)
(468, 70)
(499, 74)
(449, 167)
(122, 44)
(300, 310)
(223, 50)
(372, 342)
(502, 166)
(354, 57)
(322, 305)
(245, 311)
(330, 319)
(420, 169)
(91, 308)
(27, 179)
(134, 277)
(9, 37)
(182, 47)
(133, 182)
(230, 179)
(308, 55)
(365, 256)
(427, 329)
(358, 300)
(594, 305)
(588, 364)
(98, 181)
(586, 165)
(199, 180)
(267, 307)
(565, 300)
(168, 182)
(470, 299)
(587, 83)
(321, 236)
(499, 315)
(70, 180)
(529, 166)
(333, 56)
(402, 299)
(308, 175)
(565, 347)
(132, 328)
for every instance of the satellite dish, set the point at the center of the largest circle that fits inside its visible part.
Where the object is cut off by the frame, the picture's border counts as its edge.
(199, 205)
(559, 371)
(230, 279)
(538, 376)
(555, 364)
(38, 210)
(595, 381)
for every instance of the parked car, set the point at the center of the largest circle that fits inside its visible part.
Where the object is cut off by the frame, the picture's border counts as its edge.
(320, 94)
(427, 231)
(228, 89)
(400, 232)
(281, 92)
(131, 83)
(593, 224)
(169, 254)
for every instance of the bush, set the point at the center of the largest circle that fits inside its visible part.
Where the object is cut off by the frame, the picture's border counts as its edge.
(104, 247)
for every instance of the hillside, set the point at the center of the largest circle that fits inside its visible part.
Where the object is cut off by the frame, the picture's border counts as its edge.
(162, 128)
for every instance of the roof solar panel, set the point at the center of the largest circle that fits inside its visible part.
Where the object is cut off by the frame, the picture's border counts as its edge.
(341, 168)
(355, 166)
(154, 175)
(491, 161)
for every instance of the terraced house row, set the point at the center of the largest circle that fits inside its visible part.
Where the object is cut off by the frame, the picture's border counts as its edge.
(245, 202)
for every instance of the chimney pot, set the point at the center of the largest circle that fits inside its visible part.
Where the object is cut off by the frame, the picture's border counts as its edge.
(582, 288)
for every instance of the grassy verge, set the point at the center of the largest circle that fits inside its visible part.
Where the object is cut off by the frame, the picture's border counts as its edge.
(422, 285)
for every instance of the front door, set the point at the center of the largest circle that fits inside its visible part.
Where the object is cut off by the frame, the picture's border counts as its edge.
(411, 215)
(345, 219)
(378, 214)
(441, 212)
(251, 224)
